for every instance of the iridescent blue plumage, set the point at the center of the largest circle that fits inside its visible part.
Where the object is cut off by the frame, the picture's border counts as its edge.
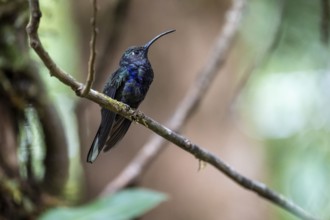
(129, 84)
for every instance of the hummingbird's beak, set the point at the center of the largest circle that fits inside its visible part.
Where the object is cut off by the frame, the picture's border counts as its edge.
(147, 45)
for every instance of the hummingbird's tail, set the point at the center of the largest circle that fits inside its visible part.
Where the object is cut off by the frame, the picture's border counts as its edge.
(95, 149)
(101, 135)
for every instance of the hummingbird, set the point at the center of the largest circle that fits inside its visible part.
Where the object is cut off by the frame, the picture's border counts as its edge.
(129, 84)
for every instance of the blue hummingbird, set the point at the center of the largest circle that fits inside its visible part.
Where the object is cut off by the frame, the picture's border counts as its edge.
(129, 84)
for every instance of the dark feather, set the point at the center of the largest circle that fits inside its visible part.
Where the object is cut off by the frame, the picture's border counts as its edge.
(107, 120)
(118, 132)
(101, 135)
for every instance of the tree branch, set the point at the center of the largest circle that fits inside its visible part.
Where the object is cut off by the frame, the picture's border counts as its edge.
(92, 55)
(138, 116)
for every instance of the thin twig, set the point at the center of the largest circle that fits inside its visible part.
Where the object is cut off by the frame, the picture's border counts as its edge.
(138, 116)
(188, 105)
(92, 55)
(264, 56)
(115, 22)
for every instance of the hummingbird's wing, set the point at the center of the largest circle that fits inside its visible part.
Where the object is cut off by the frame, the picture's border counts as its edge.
(118, 131)
(121, 124)
(107, 117)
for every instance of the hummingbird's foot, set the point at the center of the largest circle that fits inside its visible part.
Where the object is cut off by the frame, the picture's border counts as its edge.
(144, 122)
(135, 116)
(139, 116)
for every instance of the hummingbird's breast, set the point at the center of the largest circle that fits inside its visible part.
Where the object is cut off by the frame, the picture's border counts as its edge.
(137, 84)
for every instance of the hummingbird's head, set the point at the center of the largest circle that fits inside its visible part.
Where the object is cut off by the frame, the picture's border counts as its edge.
(139, 54)
(136, 54)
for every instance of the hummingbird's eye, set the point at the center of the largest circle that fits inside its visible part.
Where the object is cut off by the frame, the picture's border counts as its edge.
(135, 52)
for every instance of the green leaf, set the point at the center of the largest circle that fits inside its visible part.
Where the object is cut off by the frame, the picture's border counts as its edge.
(123, 205)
